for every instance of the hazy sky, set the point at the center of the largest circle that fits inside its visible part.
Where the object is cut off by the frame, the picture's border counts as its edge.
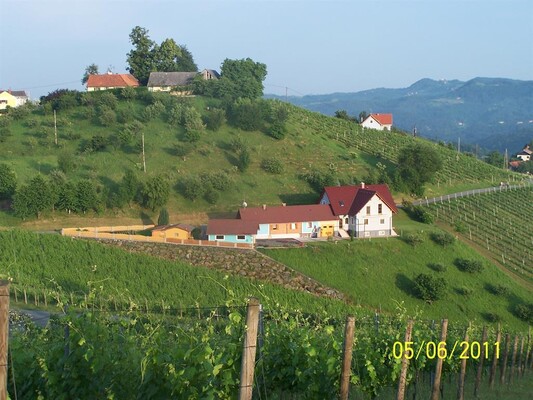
(311, 47)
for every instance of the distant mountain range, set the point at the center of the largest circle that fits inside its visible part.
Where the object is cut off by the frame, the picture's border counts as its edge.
(494, 113)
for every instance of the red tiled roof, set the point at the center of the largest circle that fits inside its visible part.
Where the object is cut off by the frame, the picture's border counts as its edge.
(345, 200)
(383, 119)
(515, 164)
(185, 227)
(286, 214)
(112, 80)
(231, 227)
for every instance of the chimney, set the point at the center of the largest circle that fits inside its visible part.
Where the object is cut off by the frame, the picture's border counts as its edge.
(264, 206)
(362, 185)
(283, 204)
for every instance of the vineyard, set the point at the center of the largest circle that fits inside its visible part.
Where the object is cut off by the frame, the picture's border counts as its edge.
(498, 222)
(459, 170)
(138, 355)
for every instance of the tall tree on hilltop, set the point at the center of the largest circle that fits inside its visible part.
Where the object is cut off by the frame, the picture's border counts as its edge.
(242, 78)
(89, 70)
(140, 58)
(147, 56)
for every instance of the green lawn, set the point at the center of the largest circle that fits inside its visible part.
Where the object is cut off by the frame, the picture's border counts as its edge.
(379, 274)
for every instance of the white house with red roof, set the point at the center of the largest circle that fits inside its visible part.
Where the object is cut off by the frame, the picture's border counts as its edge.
(525, 154)
(110, 81)
(381, 122)
(364, 210)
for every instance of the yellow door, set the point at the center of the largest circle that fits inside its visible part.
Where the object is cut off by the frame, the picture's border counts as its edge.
(326, 230)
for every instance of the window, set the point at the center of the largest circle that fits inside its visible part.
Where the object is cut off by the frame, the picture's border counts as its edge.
(219, 237)
(240, 237)
(309, 224)
(367, 210)
(366, 221)
(275, 227)
(382, 221)
(380, 208)
(293, 226)
(346, 220)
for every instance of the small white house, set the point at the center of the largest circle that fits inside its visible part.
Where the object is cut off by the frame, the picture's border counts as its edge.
(381, 122)
(525, 154)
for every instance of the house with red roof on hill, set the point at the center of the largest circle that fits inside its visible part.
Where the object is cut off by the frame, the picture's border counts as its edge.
(111, 81)
(381, 122)
(365, 210)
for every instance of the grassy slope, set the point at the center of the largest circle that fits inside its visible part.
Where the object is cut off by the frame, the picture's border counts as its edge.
(313, 142)
(379, 273)
(50, 262)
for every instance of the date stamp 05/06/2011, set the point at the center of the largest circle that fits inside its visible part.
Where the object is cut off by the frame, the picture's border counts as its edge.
(432, 349)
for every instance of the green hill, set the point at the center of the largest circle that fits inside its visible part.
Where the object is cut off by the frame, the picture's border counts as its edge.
(313, 143)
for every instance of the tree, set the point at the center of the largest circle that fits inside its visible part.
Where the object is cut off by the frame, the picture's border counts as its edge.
(89, 70)
(155, 192)
(525, 167)
(8, 182)
(86, 196)
(163, 217)
(140, 59)
(243, 78)
(129, 187)
(148, 56)
(495, 158)
(215, 119)
(33, 198)
(342, 114)
(417, 165)
(362, 116)
(67, 198)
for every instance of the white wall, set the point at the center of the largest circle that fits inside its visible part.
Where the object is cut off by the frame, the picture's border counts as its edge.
(374, 219)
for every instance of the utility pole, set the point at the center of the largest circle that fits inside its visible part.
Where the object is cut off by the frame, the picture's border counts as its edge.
(505, 160)
(144, 159)
(55, 127)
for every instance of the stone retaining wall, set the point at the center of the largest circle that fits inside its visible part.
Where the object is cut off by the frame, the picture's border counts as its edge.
(247, 263)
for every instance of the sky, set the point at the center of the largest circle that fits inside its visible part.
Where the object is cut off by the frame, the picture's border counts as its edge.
(309, 47)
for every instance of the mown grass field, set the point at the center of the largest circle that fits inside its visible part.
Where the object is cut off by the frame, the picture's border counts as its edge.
(379, 274)
(313, 142)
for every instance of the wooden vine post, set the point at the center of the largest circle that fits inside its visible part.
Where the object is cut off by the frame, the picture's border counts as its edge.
(249, 349)
(435, 394)
(495, 359)
(480, 365)
(4, 332)
(461, 383)
(405, 363)
(347, 357)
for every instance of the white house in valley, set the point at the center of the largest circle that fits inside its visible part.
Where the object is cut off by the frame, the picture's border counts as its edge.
(381, 122)
(525, 154)
(364, 210)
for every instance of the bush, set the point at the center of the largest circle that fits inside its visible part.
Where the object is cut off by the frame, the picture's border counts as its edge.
(442, 238)
(414, 239)
(107, 116)
(438, 267)
(464, 290)
(237, 144)
(470, 266)
(318, 180)
(244, 159)
(181, 149)
(492, 317)
(193, 187)
(211, 195)
(215, 119)
(524, 312)
(422, 214)
(498, 290)
(460, 227)
(66, 162)
(429, 288)
(277, 130)
(272, 165)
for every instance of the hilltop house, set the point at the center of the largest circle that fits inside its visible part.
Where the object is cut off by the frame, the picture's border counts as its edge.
(174, 231)
(382, 122)
(110, 81)
(364, 210)
(274, 222)
(166, 81)
(525, 154)
(12, 98)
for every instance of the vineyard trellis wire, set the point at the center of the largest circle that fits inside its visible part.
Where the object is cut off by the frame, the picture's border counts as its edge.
(496, 220)
(150, 354)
